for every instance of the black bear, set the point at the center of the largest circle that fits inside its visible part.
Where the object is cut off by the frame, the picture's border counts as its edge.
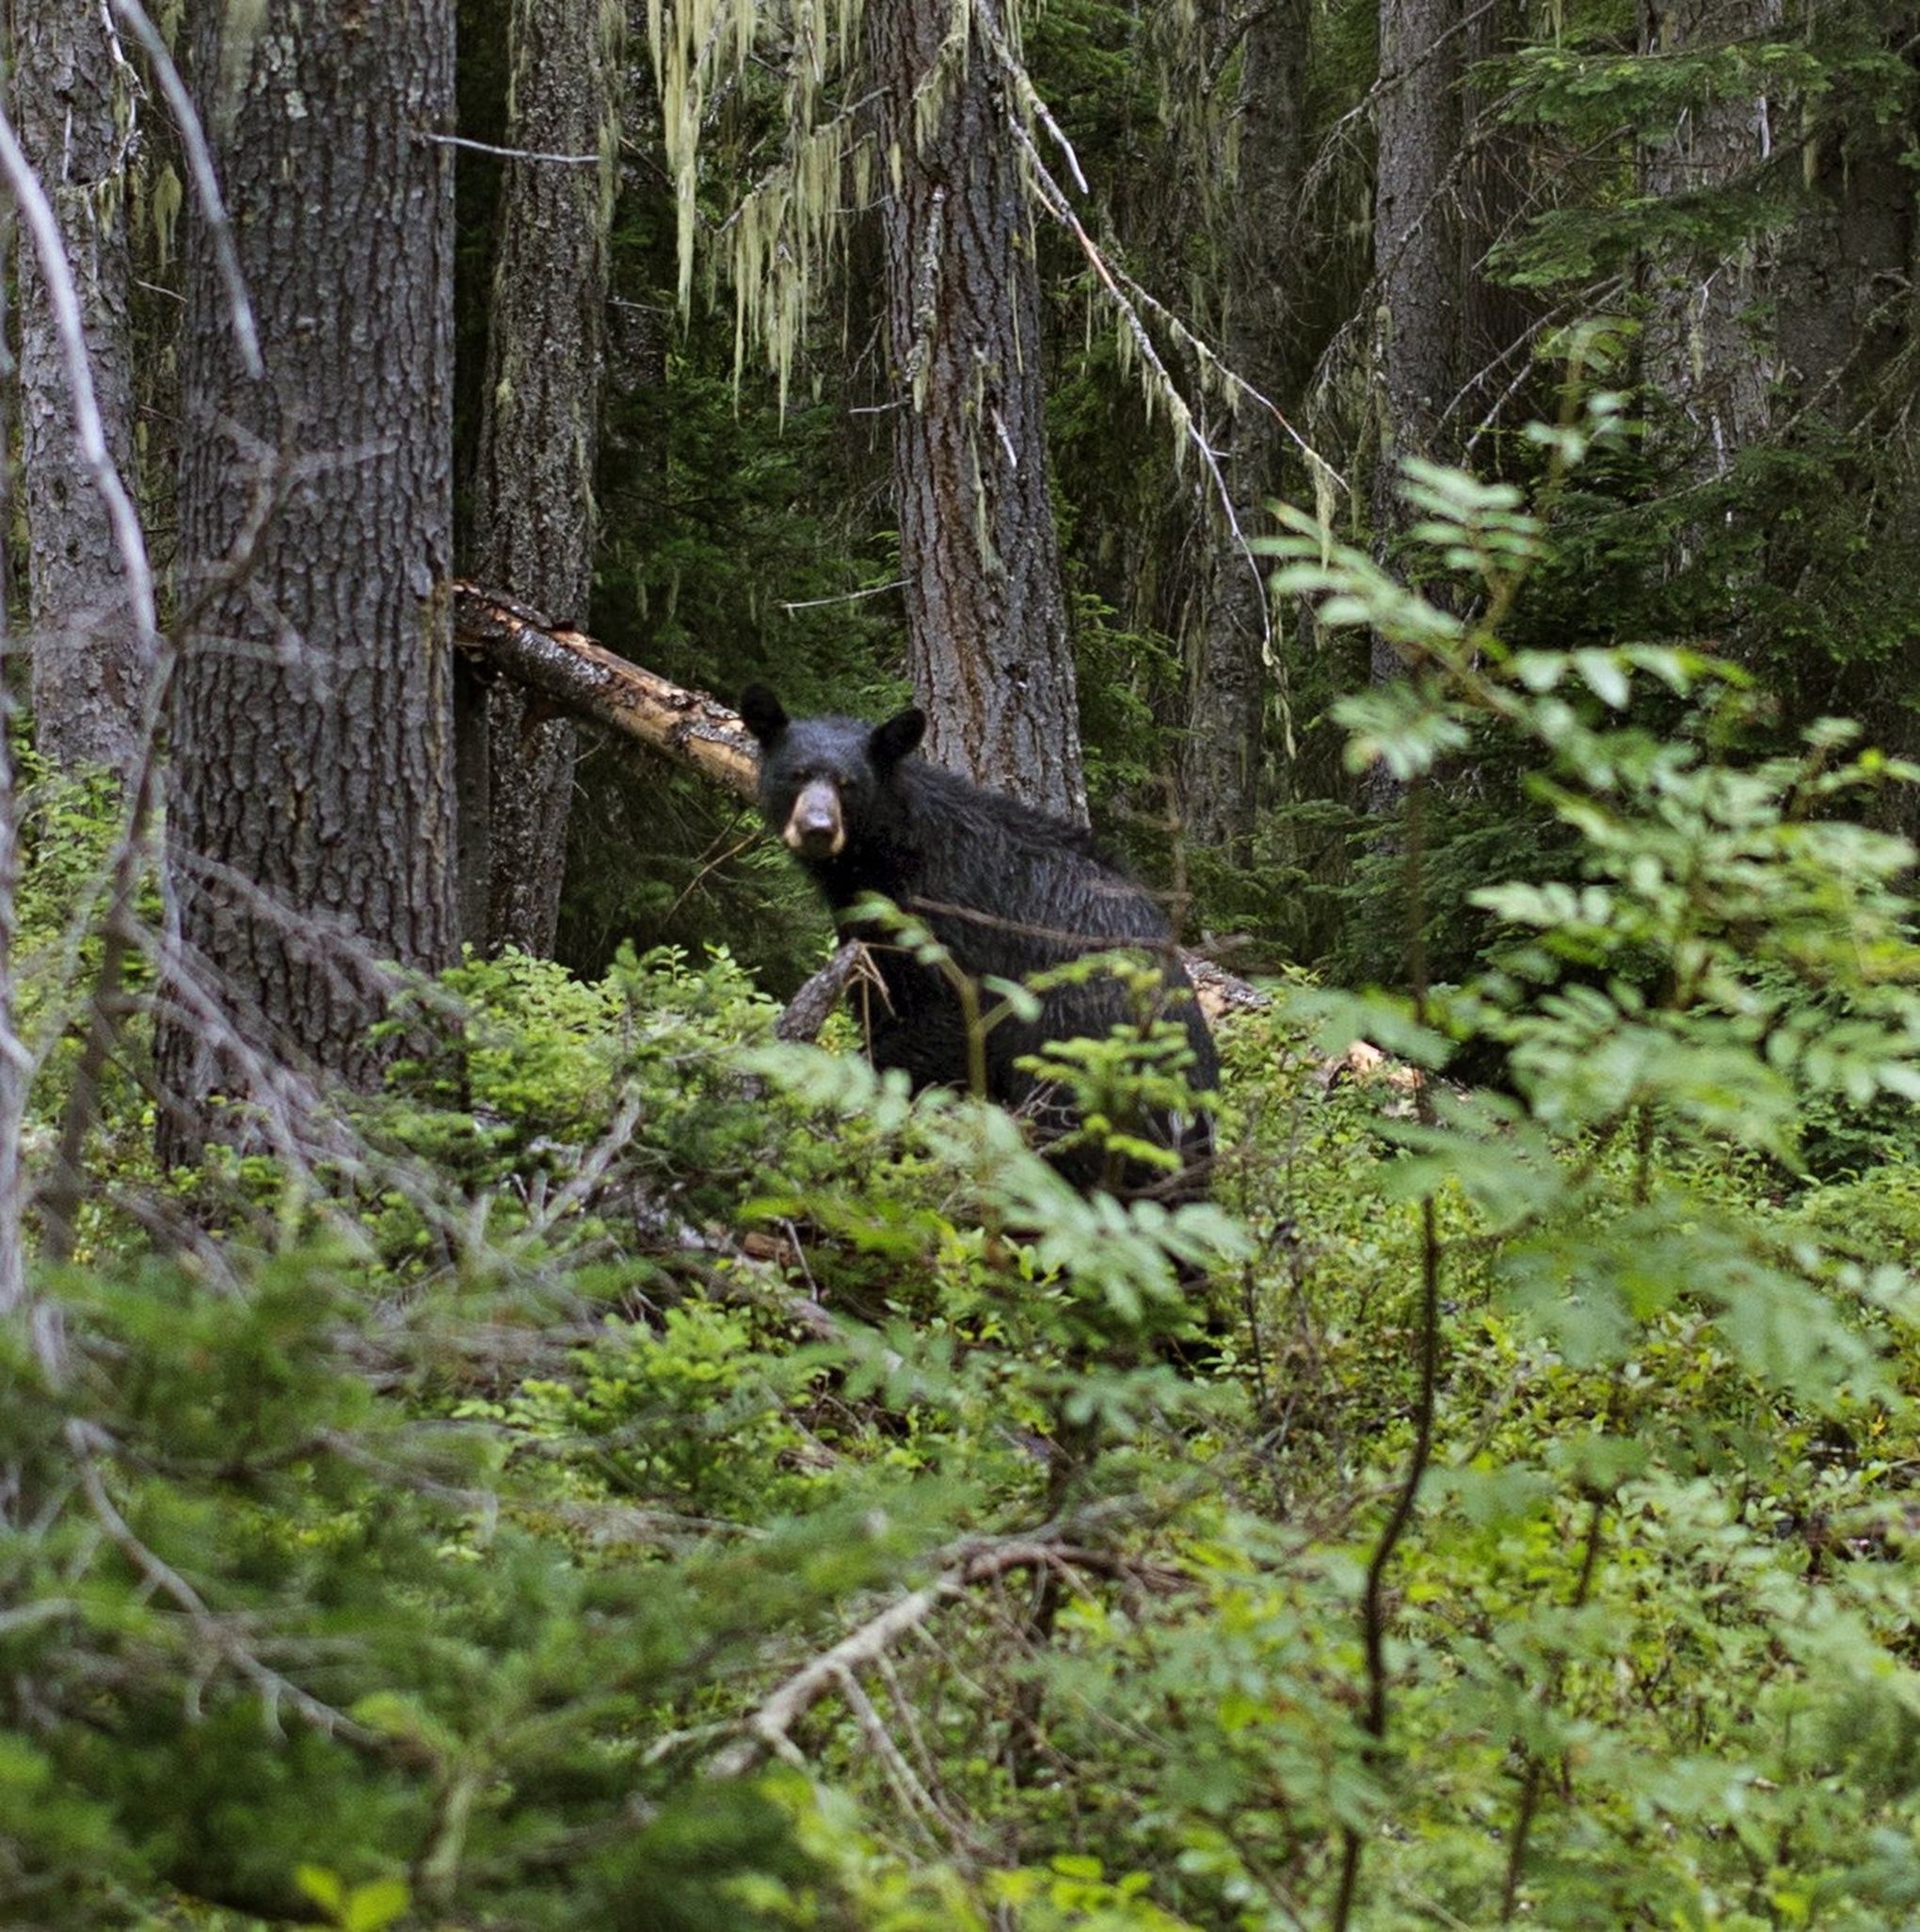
(1008, 892)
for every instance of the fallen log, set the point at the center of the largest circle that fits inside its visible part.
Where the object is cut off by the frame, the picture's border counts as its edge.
(585, 679)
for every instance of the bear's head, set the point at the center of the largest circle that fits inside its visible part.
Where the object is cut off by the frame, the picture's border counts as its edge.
(822, 779)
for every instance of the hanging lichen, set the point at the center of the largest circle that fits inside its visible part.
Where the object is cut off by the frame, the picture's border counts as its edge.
(782, 239)
(164, 204)
(782, 242)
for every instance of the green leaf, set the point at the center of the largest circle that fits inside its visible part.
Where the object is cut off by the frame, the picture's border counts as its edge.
(324, 1887)
(1605, 676)
(375, 1904)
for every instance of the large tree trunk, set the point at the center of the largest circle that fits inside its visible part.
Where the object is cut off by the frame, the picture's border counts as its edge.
(74, 112)
(1707, 350)
(989, 648)
(1416, 263)
(311, 832)
(1798, 338)
(1228, 673)
(1495, 172)
(534, 489)
(1844, 332)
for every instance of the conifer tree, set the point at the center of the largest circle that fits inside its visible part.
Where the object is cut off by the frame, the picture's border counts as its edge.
(74, 103)
(533, 510)
(310, 833)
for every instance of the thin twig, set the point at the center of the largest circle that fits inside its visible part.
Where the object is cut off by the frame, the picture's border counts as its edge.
(136, 570)
(1385, 84)
(593, 1167)
(1536, 1760)
(1054, 200)
(1025, 91)
(1373, 1613)
(50, 248)
(846, 597)
(161, 1577)
(506, 153)
(766, 1730)
(915, 1798)
(16, 1063)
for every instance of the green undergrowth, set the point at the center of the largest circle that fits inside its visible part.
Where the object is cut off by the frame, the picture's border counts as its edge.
(667, 1477)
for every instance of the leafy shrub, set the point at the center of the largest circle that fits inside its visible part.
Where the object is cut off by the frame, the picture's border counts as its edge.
(675, 1480)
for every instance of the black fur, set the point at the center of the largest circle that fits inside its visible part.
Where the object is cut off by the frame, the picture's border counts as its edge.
(1008, 891)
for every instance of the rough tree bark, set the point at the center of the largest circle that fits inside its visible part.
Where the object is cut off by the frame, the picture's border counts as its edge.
(311, 830)
(989, 648)
(1495, 170)
(1417, 262)
(1228, 673)
(1840, 290)
(1708, 349)
(532, 495)
(74, 113)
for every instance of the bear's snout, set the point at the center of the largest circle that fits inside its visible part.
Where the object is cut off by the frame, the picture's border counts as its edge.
(814, 827)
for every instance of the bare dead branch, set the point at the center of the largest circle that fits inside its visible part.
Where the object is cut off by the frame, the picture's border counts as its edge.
(766, 1731)
(593, 1169)
(845, 597)
(506, 153)
(16, 1063)
(585, 679)
(1024, 92)
(129, 859)
(807, 1011)
(915, 1798)
(1053, 198)
(215, 1631)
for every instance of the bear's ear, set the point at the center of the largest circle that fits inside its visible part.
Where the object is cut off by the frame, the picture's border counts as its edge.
(760, 712)
(892, 740)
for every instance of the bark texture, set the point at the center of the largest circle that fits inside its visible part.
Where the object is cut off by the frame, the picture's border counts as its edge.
(1416, 263)
(1228, 673)
(1845, 340)
(532, 497)
(1414, 253)
(1794, 341)
(987, 648)
(310, 833)
(1707, 348)
(1495, 170)
(74, 112)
